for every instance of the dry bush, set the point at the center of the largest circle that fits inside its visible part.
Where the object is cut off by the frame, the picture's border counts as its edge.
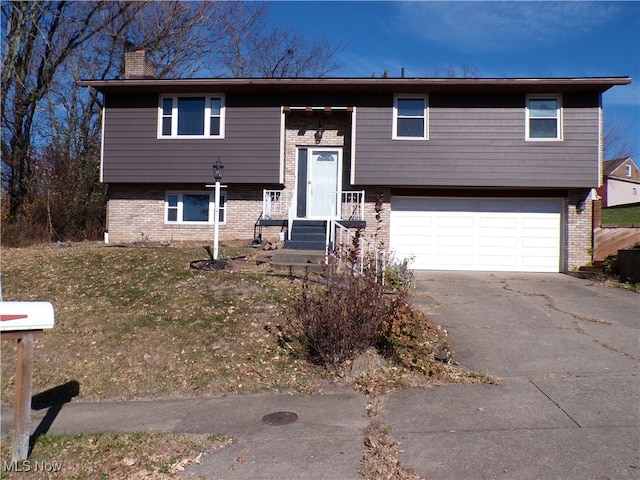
(342, 318)
(354, 309)
(411, 340)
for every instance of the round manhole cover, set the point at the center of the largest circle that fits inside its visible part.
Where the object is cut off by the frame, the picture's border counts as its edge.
(279, 418)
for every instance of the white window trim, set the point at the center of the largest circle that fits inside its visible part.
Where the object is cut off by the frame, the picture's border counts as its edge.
(628, 171)
(212, 204)
(424, 97)
(207, 115)
(559, 117)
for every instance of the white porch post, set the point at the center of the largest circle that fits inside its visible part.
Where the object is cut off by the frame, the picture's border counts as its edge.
(217, 174)
(216, 221)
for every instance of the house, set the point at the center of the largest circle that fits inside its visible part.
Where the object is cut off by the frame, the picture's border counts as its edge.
(473, 174)
(621, 182)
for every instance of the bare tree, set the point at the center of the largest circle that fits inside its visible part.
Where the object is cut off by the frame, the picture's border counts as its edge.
(51, 128)
(39, 37)
(616, 141)
(255, 48)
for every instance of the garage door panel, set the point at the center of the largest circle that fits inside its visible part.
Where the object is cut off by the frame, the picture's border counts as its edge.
(497, 261)
(446, 241)
(454, 259)
(498, 222)
(543, 222)
(422, 262)
(457, 222)
(477, 234)
(537, 263)
(507, 241)
(548, 243)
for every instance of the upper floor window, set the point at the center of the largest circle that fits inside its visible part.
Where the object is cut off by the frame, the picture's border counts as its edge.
(628, 170)
(544, 119)
(193, 207)
(410, 117)
(191, 116)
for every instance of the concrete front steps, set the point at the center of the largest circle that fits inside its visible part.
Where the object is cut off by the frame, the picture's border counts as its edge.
(298, 260)
(305, 249)
(307, 235)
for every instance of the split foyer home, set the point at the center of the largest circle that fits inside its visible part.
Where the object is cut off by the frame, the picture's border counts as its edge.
(473, 174)
(621, 183)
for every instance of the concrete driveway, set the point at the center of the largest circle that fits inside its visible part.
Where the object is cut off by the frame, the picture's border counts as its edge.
(568, 407)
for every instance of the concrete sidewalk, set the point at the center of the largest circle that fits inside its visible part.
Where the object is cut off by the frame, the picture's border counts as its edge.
(568, 406)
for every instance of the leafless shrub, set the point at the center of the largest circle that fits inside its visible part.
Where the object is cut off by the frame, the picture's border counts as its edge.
(342, 317)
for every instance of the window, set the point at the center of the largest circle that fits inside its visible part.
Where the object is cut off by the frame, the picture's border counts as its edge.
(191, 116)
(410, 117)
(543, 118)
(193, 207)
(628, 170)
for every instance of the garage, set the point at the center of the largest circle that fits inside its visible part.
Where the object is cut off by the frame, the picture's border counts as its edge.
(477, 234)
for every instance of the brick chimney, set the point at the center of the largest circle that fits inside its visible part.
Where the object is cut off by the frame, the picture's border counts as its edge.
(137, 65)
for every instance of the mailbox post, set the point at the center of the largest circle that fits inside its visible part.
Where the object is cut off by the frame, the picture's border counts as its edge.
(24, 322)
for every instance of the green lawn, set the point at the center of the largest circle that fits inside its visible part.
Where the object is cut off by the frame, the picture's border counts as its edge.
(622, 214)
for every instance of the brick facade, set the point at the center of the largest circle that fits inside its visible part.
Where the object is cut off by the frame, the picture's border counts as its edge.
(300, 132)
(578, 229)
(137, 213)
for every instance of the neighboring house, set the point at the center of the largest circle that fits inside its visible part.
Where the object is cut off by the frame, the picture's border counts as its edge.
(621, 182)
(473, 174)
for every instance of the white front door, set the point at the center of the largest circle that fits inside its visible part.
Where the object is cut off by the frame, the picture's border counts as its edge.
(324, 181)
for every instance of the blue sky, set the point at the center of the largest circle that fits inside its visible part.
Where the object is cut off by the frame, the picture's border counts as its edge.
(492, 39)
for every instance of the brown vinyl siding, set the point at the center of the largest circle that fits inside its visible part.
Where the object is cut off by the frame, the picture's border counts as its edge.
(479, 142)
(250, 151)
(474, 139)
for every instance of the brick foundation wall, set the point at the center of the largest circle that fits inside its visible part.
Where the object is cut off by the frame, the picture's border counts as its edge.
(136, 213)
(578, 230)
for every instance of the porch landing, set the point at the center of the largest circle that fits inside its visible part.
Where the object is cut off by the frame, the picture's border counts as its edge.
(298, 259)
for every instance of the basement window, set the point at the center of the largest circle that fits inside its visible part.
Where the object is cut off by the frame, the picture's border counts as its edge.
(193, 208)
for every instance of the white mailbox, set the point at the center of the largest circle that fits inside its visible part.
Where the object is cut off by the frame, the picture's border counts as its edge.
(25, 316)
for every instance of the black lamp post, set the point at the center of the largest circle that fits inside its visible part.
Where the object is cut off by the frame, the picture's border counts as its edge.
(217, 170)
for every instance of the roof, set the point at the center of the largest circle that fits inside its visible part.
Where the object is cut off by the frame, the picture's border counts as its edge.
(610, 166)
(470, 85)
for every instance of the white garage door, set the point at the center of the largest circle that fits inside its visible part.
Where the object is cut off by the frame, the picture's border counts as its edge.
(483, 234)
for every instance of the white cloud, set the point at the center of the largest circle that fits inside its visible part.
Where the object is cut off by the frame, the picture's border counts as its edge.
(502, 26)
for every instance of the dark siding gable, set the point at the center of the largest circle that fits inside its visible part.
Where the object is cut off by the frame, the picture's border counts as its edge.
(479, 141)
(250, 150)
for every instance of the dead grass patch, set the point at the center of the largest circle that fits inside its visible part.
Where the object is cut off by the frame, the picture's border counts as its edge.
(128, 456)
(381, 460)
(134, 323)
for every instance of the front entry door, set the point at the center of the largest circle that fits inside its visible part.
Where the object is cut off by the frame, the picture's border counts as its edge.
(324, 181)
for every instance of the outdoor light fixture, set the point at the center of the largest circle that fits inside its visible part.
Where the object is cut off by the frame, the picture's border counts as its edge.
(217, 170)
(217, 174)
(319, 133)
(581, 206)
